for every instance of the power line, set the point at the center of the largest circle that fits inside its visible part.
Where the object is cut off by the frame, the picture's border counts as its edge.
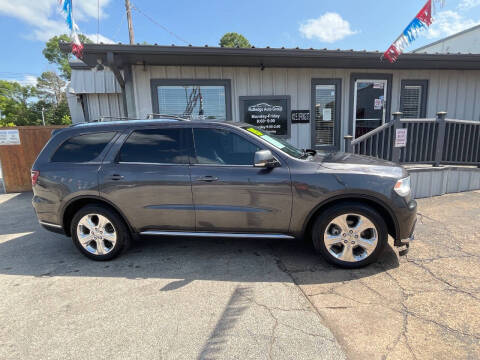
(16, 73)
(158, 24)
(120, 25)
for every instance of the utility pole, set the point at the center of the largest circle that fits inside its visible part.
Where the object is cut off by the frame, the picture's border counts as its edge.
(43, 115)
(129, 20)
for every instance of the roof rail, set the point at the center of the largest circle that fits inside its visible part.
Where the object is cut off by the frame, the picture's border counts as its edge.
(166, 116)
(122, 118)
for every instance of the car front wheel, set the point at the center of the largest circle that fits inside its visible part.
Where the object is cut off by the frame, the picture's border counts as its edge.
(99, 233)
(350, 235)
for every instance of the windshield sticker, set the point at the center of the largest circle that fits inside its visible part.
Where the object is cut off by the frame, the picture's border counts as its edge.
(255, 131)
(272, 141)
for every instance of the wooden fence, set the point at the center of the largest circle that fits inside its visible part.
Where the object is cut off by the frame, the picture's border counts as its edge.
(17, 160)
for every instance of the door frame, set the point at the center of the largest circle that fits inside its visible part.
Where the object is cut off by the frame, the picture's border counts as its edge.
(338, 112)
(368, 76)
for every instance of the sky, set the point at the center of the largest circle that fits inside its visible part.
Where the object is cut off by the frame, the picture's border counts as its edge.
(25, 25)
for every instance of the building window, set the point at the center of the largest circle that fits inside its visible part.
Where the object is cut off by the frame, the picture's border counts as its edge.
(194, 99)
(413, 99)
(326, 113)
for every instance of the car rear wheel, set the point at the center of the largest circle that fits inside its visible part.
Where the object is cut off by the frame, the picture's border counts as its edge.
(99, 233)
(350, 235)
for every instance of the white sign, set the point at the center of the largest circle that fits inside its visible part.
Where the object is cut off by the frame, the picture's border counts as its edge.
(378, 85)
(9, 137)
(401, 138)
(327, 114)
(377, 104)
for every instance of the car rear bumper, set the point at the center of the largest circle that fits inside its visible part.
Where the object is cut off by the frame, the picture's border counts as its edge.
(46, 214)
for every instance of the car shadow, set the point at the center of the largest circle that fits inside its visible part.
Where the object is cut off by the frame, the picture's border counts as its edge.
(27, 249)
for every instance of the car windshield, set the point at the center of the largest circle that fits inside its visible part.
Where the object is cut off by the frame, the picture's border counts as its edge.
(277, 142)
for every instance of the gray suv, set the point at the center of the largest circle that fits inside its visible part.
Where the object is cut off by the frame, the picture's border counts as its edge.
(104, 184)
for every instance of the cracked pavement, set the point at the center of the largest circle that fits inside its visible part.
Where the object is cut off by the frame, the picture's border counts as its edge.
(425, 305)
(241, 299)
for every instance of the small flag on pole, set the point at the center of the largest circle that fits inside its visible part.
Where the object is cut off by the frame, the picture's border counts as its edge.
(422, 21)
(67, 9)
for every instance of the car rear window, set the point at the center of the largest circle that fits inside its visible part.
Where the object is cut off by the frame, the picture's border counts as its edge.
(82, 148)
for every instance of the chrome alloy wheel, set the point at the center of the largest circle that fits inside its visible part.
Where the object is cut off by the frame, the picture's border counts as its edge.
(351, 237)
(96, 234)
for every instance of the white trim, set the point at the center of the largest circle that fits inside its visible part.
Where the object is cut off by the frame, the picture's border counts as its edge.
(50, 224)
(217, 234)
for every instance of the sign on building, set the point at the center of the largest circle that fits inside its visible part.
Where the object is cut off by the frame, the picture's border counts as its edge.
(300, 116)
(401, 138)
(9, 137)
(269, 113)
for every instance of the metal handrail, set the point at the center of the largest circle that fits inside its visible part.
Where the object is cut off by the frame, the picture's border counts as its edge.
(371, 133)
(418, 120)
(469, 122)
(429, 141)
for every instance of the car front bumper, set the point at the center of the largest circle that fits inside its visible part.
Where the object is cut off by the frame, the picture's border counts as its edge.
(407, 219)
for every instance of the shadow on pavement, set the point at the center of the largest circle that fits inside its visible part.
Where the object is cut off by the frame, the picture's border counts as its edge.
(28, 249)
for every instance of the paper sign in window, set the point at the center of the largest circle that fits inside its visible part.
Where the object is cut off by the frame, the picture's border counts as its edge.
(327, 114)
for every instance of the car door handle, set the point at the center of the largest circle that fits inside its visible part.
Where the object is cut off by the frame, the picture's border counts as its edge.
(208, 178)
(116, 177)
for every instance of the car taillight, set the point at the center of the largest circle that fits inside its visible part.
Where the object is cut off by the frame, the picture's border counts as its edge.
(34, 174)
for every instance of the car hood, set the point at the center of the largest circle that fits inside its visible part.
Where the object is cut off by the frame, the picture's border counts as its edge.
(359, 164)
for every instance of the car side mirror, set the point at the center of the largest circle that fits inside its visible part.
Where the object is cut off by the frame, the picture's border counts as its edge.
(265, 158)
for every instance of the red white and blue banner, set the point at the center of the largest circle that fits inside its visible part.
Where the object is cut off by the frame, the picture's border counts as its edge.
(422, 21)
(66, 8)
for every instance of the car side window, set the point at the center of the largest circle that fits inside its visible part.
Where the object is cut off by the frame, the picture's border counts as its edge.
(161, 146)
(82, 148)
(222, 147)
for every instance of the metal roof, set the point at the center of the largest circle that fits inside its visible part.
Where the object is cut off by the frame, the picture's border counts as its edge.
(425, 47)
(267, 57)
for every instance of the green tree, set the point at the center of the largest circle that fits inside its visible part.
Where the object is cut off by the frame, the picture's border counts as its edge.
(56, 56)
(15, 103)
(51, 87)
(23, 105)
(233, 39)
(55, 114)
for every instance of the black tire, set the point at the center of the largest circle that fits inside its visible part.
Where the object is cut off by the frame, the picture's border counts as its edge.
(122, 232)
(324, 219)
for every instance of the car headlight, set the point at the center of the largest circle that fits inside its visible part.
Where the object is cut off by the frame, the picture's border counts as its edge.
(402, 187)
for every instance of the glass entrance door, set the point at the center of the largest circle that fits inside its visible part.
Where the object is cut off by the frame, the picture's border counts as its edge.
(326, 114)
(369, 105)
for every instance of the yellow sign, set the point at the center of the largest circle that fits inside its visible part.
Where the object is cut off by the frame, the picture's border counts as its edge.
(255, 131)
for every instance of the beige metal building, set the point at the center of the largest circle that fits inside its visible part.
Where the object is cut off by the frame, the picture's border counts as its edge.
(311, 97)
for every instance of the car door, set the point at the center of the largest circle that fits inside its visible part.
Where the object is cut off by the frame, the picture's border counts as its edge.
(148, 178)
(229, 193)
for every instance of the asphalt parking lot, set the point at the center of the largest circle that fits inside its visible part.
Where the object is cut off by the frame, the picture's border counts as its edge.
(239, 299)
